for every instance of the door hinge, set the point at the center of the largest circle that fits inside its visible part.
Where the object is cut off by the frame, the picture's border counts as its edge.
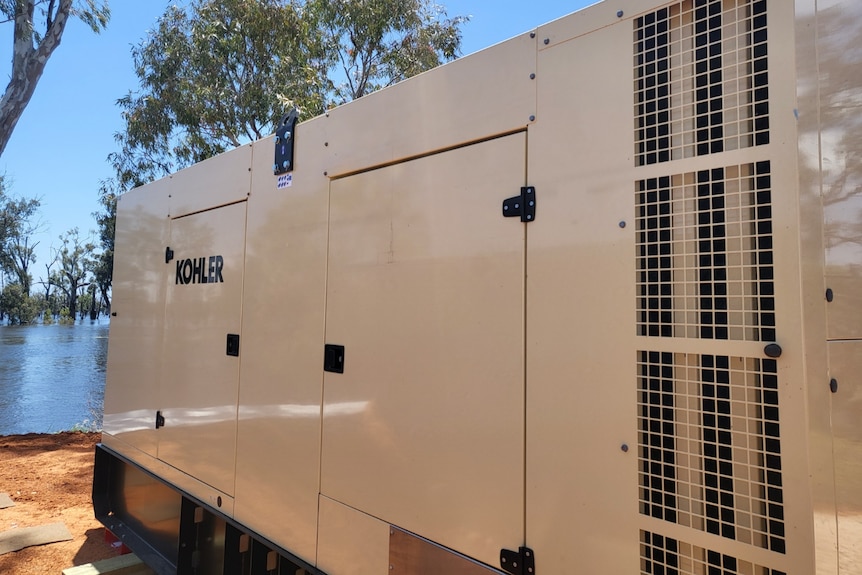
(160, 420)
(520, 562)
(285, 136)
(169, 255)
(523, 206)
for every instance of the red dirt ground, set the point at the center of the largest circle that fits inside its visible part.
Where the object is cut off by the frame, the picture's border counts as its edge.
(49, 477)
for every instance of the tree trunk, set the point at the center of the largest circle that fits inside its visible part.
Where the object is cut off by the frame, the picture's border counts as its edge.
(28, 61)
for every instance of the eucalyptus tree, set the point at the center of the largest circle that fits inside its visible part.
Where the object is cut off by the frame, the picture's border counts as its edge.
(39, 26)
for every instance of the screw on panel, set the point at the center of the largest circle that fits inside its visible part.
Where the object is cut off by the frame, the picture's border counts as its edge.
(622, 224)
(547, 41)
(833, 385)
(532, 118)
(829, 295)
(532, 76)
(619, 13)
(532, 34)
(624, 447)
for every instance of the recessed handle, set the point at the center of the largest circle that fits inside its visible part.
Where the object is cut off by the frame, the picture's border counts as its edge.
(333, 358)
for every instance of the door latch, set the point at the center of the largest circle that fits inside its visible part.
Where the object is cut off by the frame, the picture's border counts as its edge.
(333, 358)
(523, 206)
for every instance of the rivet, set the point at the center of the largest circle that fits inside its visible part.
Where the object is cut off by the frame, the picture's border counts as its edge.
(619, 13)
(517, 206)
(532, 76)
(277, 139)
(285, 164)
(325, 173)
(532, 204)
(529, 217)
(833, 385)
(505, 208)
(532, 34)
(624, 447)
(547, 41)
(532, 118)
(829, 295)
(274, 167)
(326, 143)
(622, 224)
(514, 564)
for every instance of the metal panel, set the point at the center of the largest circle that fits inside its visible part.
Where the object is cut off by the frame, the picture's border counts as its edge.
(200, 381)
(845, 366)
(351, 542)
(424, 429)
(839, 23)
(137, 329)
(436, 110)
(814, 304)
(278, 435)
(215, 182)
(413, 555)
(689, 232)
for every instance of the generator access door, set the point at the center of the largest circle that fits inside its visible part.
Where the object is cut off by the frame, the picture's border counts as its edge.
(200, 378)
(424, 418)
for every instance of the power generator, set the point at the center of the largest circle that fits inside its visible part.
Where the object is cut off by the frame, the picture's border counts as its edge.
(587, 301)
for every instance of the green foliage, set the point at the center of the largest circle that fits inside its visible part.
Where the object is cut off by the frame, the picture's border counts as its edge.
(18, 305)
(372, 44)
(47, 317)
(215, 74)
(77, 260)
(210, 77)
(103, 271)
(66, 317)
(18, 224)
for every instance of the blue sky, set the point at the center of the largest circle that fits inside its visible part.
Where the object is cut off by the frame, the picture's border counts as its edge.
(59, 148)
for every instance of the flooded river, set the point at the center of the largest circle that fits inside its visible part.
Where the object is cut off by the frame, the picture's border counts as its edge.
(52, 378)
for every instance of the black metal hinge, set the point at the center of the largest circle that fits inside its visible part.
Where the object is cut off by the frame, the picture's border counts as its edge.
(160, 420)
(284, 138)
(169, 255)
(520, 562)
(523, 206)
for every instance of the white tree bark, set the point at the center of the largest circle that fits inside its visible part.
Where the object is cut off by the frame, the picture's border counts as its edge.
(29, 58)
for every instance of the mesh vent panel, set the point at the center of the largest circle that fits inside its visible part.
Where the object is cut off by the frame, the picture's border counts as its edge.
(665, 556)
(709, 450)
(704, 254)
(701, 83)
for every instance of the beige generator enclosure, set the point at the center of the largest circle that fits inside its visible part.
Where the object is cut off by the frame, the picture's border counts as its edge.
(588, 301)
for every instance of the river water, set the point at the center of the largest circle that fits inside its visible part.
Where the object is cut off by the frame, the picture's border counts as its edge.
(52, 378)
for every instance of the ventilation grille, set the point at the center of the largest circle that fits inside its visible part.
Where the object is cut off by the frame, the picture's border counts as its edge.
(704, 254)
(710, 453)
(665, 556)
(701, 84)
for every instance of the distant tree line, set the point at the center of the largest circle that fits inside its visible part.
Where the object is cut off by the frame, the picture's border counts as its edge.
(69, 286)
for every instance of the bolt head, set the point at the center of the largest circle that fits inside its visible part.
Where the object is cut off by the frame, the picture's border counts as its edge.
(547, 41)
(622, 224)
(620, 14)
(285, 164)
(532, 76)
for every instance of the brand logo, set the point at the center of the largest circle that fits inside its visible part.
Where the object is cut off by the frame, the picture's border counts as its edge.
(200, 270)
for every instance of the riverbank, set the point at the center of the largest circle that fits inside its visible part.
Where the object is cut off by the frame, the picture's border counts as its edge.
(49, 478)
